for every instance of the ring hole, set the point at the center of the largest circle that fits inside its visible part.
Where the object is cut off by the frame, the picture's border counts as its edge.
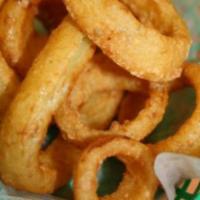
(181, 106)
(109, 176)
(50, 14)
(66, 191)
(150, 15)
(52, 134)
(131, 105)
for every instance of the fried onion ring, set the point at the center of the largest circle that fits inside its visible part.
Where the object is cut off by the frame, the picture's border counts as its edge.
(139, 181)
(149, 39)
(8, 86)
(103, 74)
(16, 26)
(26, 122)
(187, 139)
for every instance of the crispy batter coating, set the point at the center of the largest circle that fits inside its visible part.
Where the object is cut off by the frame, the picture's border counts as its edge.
(16, 26)
(9, 84)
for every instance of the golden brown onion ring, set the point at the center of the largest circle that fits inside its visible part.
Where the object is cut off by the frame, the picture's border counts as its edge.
(149, 39)
(139, 181)
(187, 139)
(25, 124)
(16, 26)
(103, 74)
(100, 109)
(8, 86)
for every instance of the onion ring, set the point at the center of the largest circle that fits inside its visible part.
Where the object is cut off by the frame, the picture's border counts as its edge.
(103, 74)
(139, 180)
(16, 26)
(187, 139)
(8, 86)
(148, 49)
(25, 124)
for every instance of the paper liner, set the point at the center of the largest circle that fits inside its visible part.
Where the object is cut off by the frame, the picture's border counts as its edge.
(172, 168)
(8, 193)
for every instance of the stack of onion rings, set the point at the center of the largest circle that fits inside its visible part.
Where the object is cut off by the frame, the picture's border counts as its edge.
(104, 101)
